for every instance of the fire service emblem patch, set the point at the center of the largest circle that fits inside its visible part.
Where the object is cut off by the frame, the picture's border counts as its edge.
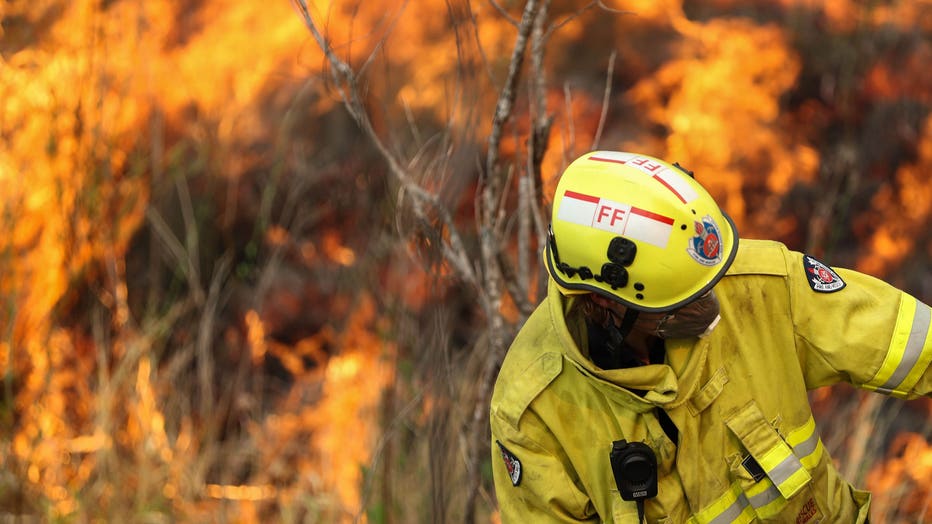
(512, 463)
(821, 278)
(706, 246)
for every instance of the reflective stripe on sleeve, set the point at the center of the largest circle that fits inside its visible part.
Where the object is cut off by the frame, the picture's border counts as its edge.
(910, 350)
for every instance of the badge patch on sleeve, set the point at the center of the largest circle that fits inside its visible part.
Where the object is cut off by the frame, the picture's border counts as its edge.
(512, 463)
(821, 278)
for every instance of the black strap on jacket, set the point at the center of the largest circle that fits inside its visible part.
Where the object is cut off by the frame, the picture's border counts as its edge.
(607, 350)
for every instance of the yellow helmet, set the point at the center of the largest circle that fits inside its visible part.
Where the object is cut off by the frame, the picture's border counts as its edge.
(637, 230)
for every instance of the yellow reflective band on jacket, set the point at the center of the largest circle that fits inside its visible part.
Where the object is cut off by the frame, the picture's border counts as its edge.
(806, 444)
(732, 507)
(771, 452)
(763, 500)
(910, 350)
(807, 447)
(785, 470)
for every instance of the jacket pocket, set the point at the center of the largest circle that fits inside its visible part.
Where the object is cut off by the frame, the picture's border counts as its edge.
(773, 479)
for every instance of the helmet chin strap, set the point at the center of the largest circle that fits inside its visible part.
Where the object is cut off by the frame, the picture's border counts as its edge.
(619, 333)
(627, 322)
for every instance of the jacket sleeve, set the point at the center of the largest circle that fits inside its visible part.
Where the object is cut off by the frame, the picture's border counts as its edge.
(531, 482)
(854, 328)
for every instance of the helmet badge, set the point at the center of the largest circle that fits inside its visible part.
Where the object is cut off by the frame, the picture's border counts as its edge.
(706, 246)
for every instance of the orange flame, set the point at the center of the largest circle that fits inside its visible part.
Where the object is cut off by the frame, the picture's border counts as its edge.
(341, 424)
(901, 212)
(719, 97)
(901, 484)
(76, 103)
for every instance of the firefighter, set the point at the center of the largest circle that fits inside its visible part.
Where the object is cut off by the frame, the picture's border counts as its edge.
(660, 329)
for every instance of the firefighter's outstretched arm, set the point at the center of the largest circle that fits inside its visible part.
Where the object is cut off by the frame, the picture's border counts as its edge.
(861, 330)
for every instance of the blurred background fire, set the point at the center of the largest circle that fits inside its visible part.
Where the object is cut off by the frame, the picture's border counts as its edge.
(218, 305)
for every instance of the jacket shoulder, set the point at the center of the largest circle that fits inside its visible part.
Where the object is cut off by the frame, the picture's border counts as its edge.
(760, 257)
(533, 361)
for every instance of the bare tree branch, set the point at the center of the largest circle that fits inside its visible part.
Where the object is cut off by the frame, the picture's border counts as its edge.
(490, 224)
(506, 98)
(542, 120)
(494, 274)
(454, 250)
(515, 290)
(530, 181)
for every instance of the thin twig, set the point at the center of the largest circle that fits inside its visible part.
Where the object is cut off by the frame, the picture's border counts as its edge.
(570, 124)
(559, 24)
(378, 45)
(505, 15)
(475, 29)
(605, 100)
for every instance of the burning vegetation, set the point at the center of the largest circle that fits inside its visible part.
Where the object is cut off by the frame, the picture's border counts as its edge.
(259, 261)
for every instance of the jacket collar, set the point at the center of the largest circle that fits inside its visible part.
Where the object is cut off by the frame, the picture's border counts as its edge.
(669, 384)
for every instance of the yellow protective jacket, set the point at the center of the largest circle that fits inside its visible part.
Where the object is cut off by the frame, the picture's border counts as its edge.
(740, 392)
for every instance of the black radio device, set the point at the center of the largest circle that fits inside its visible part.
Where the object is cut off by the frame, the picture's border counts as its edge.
(634, 466)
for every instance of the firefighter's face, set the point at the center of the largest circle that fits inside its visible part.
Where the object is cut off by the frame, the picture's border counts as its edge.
(697, 318)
